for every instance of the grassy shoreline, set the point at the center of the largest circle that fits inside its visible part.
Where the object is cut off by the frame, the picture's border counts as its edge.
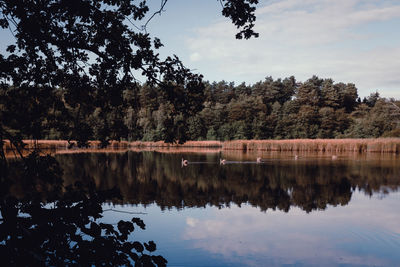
(380, 145)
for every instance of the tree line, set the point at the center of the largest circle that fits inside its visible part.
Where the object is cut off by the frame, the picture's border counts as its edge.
(269, 109)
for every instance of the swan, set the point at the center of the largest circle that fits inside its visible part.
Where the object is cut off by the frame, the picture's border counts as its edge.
(222, 161)
(259, 160)
(184, 162)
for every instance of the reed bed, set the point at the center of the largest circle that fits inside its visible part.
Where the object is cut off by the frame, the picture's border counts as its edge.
(141, 149)
(42, 144)
(63, 144)
(382, 145)
(161, 144)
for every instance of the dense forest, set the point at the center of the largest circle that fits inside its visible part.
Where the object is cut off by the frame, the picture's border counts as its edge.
(269, 109)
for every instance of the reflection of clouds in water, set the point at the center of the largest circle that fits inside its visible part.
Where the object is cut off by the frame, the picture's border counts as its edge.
(191, 221)
(371, 212)
(338, 235)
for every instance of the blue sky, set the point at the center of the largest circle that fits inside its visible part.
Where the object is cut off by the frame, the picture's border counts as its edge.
(355, 41)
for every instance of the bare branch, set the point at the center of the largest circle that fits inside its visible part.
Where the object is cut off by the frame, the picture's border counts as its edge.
(163, 3)
(133, 24)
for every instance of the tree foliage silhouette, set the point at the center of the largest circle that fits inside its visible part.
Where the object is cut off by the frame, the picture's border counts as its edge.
(59, 226)
(89, 53)
(73, 62)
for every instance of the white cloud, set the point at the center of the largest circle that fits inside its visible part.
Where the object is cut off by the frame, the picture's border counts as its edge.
(195, 57)
(305, 37)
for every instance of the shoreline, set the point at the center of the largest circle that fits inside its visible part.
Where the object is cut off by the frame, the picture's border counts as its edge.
(376, 145)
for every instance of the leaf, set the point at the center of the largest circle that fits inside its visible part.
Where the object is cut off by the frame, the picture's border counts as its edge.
(109, 228)
(137, 246)
(95, 229)
(151, 246)
(3, 23)
(157, 43)
(125, 228)
(139, 222)
(11, 48)
(133, 256)
(146, 260)
(159, 260)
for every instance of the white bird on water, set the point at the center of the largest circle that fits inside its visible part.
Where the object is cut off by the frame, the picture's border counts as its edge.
(184, 162)
(222, 161)
(259, 160)
(296, 157)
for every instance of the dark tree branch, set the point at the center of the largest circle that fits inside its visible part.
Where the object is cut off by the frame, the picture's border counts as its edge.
(163, 3)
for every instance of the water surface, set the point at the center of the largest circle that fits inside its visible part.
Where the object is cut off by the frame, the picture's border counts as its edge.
(309, 211)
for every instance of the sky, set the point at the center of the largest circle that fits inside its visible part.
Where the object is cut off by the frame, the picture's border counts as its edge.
(350, 41)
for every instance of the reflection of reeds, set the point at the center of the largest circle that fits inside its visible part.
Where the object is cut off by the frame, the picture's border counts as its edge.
(383, 145)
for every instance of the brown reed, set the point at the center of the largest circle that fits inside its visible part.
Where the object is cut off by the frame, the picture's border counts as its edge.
(382, 145)
(63, 144)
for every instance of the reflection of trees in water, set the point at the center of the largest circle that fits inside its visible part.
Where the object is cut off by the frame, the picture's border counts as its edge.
(50, 224)
(149, 177)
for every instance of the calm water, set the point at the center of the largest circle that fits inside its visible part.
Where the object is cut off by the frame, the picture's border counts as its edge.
(309, 211)
(313, 211)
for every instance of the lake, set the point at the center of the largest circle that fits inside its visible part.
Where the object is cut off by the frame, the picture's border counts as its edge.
(306, 210)
(309, 210)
